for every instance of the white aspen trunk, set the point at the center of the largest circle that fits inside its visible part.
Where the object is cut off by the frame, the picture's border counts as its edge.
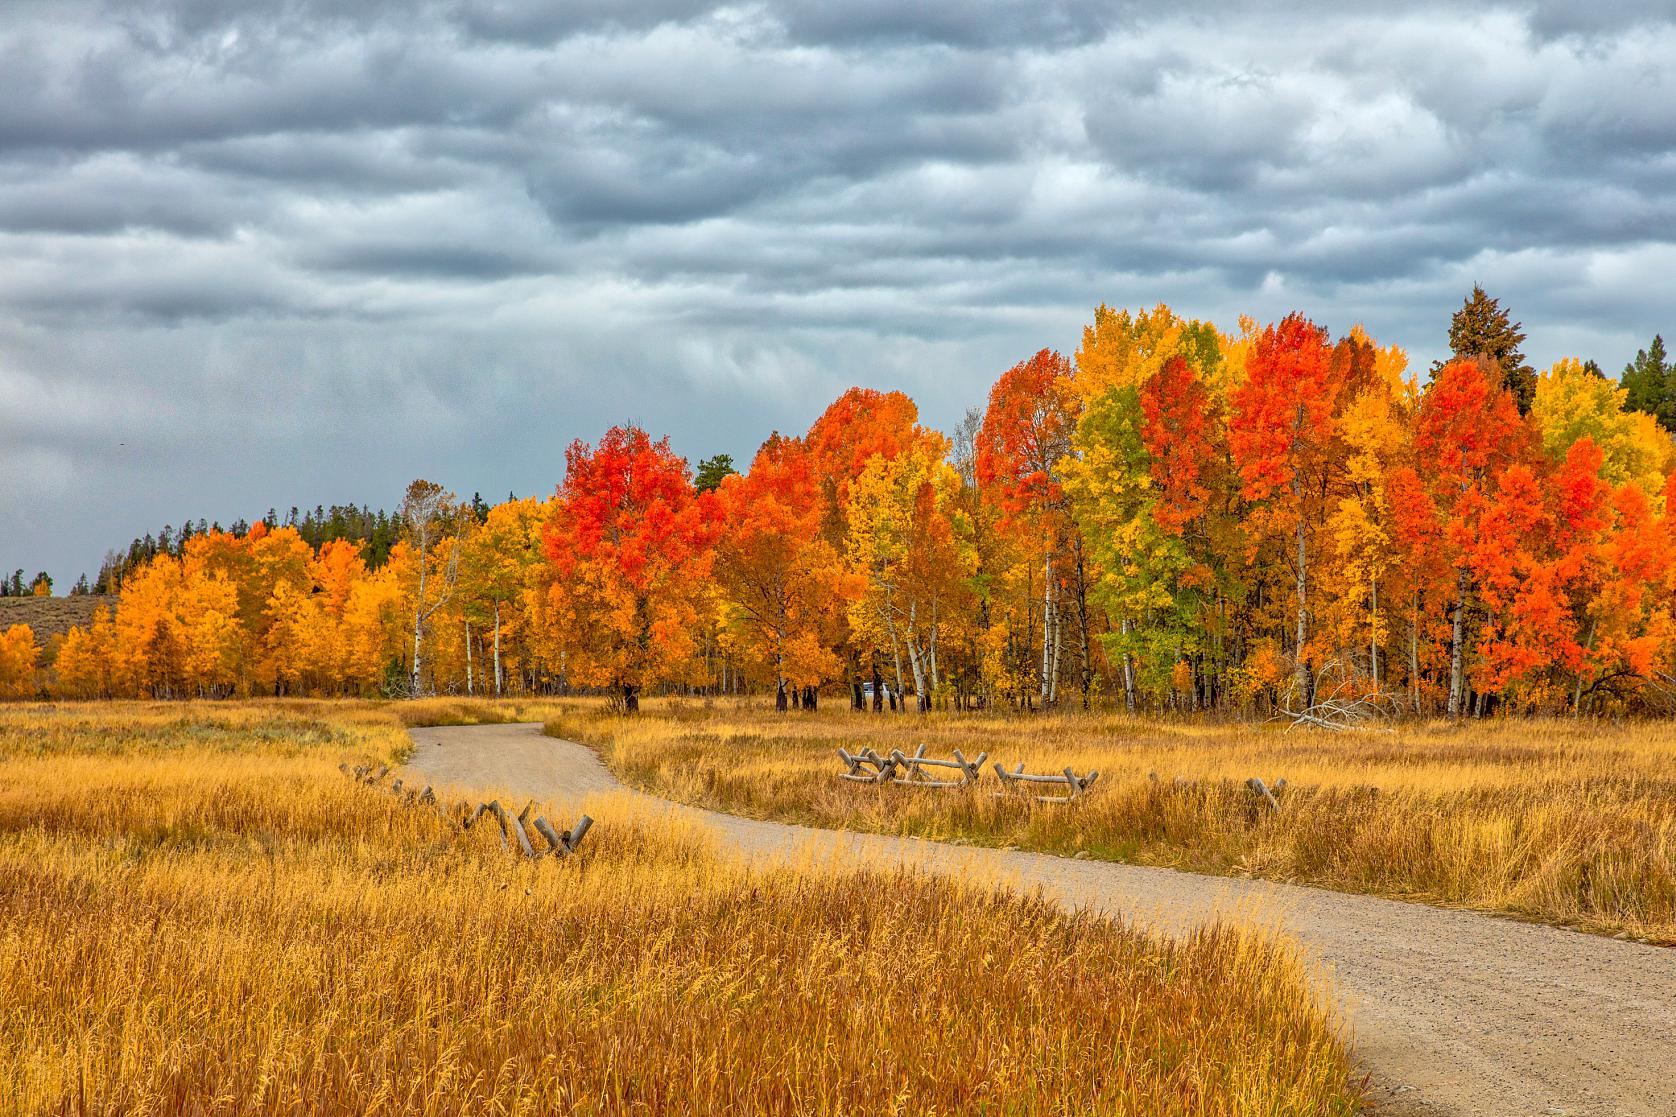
(1457, 638)
(1373, 629)
(936, 679)
(498, 677)
(916, 663)
(1128, 673)
(469, 682)
(915, 659)
(1048, 634)
(419, 625)
(901, 687)
(1053, 669)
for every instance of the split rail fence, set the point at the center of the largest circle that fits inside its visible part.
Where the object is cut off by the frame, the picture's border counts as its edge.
(511, 826)
(868, 766)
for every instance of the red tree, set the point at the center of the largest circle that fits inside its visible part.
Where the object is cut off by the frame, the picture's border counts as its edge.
(1468, 429)
(1026, 434)
(1283, 434)
(628, 542)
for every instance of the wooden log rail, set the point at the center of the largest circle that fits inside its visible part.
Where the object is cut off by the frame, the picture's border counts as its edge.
(884, 767)
(901, 768)
(1075, 786)
(511, 826)
(913, 768)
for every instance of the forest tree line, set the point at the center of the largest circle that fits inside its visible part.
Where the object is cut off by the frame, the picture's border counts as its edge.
(1172, 517)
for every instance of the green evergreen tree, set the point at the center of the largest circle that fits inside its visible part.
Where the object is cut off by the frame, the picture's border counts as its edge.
(712, 470)
(1650, 380)
(1481, 328)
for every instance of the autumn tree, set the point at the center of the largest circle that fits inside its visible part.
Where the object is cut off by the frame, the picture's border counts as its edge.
(1571, 405)
(782, 580)
(1025, 437)
(628, 543)
(1284, 435)
(858, 427)
(912, 559)
(497, 562)
(1375, 424)
(1467, 430)
(431, 517)
(18, 659)
(84, 664)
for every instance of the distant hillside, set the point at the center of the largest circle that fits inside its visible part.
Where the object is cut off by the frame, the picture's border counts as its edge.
(49, 616)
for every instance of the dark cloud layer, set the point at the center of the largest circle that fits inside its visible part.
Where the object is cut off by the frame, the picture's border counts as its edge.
(265, 254)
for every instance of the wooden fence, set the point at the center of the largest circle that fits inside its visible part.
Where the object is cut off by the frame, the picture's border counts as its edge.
(901, 768)
(511, 826)
(867, 766)
(1075, 786)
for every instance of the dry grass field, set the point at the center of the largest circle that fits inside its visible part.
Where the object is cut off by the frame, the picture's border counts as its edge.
(200, 914)
(1568, 822)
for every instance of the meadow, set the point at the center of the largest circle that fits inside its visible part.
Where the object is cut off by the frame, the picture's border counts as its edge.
(1567, 821)
(199, 913)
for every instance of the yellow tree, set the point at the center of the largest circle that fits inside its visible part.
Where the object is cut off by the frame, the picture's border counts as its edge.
(376, 618)
(498, 560)
(85, 666)
(1374, 428)
(908, 549)
(18, 659)
(1573, 403)
(780, 577)
(206, 609)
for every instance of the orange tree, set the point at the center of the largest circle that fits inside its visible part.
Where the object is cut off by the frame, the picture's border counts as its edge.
(628, 546)
(784, 584)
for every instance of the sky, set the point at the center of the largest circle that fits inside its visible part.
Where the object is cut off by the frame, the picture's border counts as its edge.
(265, 255)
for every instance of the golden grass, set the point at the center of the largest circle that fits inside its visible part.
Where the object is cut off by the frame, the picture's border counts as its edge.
(200, 914)
(1563, 821)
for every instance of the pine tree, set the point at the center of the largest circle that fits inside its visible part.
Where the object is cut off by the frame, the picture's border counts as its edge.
(1481, 328)
(711, 471)
(1650, 380)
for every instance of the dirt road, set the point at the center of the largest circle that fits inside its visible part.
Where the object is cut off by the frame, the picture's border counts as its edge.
(1450, 1012)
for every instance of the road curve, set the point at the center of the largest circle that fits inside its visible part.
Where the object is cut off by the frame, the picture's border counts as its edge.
(1450, 1012)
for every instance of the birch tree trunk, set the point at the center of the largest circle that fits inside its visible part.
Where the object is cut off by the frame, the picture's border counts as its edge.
(1049, 635)
(1373, 629)
(1457, 640)
(1128, 673)
(469, 691)
(497, 651)
(418, 628)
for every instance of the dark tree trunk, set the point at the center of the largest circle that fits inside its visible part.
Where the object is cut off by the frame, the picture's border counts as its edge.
(857, 702)
(780, 696)
(879, 690)
(631, 699)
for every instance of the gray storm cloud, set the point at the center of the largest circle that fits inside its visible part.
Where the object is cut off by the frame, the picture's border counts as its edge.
(265, 255)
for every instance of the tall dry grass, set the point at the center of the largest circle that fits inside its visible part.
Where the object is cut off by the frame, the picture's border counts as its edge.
(200, 914)
(1564, 821)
